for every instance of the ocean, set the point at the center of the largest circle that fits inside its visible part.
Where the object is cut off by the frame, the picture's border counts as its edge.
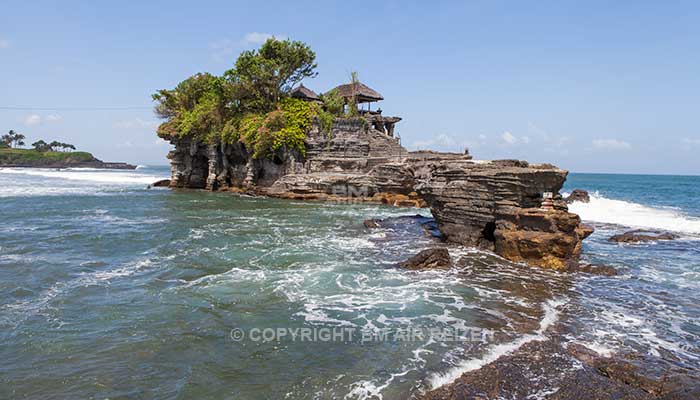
(109, 289)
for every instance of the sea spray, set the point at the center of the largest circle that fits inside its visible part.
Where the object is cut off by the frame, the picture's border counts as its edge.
(634, 215)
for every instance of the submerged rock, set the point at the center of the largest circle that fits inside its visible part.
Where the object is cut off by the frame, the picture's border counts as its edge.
(594, 269)
(435, 258)
(578, 195)
(161, 183)
(641, 236)
(371, 223)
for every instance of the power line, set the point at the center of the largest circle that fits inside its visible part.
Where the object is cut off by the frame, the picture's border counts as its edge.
(19, 108)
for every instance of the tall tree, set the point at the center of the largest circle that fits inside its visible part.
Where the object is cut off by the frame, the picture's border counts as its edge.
(8, 138)
(261, 77)
(18, 140)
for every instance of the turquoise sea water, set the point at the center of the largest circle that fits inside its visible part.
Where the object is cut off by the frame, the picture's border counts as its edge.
(111, 290)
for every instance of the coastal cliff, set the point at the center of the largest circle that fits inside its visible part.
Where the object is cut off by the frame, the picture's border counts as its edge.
(509, 207)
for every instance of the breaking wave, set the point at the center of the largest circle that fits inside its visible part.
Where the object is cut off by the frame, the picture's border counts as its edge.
(88, 175)
(620, 212)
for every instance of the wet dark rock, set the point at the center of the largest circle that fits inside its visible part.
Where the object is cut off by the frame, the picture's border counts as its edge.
(161, 183)
(434, 258)
(573, 372)
(510, 377)
(371, 223)
(578, 195)
(641, 236)
(594, 269)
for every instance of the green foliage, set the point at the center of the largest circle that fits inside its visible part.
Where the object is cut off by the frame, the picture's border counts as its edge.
(333, 103)
(262, 77)
(249, 103)
(41, 145)
(12, 137)
(196, 108)
(39, 158)
(284, 127)
(352, 102)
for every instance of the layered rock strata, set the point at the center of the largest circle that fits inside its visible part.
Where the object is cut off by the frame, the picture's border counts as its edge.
(510, 207)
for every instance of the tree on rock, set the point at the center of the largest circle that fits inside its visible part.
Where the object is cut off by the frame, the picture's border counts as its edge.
(249, 104)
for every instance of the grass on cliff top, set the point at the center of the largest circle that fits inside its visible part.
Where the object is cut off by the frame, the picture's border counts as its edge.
(20, 156)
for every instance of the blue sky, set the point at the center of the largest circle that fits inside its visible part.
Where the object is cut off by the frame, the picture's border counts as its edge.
(589, 86)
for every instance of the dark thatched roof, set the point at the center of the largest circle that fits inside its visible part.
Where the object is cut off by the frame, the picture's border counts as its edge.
(302, 92)
(362, 92)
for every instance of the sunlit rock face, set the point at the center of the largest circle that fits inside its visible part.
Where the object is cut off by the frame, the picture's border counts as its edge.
(510, 207)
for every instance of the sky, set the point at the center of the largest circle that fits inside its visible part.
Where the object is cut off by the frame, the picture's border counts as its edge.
(588, 86)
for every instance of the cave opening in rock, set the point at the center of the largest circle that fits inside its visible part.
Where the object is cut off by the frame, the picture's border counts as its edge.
(489, 232)
(200, 170)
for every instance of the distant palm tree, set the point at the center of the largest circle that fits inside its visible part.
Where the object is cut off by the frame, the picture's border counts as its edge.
(8, 138)
(19, 139)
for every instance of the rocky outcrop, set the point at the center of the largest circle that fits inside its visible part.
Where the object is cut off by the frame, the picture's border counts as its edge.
(642, 236)
(510, 207)
(435, 258)
(161, 183)
(507, 206)
(578, 195)
(371, 223)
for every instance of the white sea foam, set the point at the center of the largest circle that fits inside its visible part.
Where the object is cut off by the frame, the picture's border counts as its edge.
(551, 315)
(87, 175)
(602, 209)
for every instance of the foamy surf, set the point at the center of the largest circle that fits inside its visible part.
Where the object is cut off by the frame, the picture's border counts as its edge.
(620, 212)
(88, 175)
(551, 315)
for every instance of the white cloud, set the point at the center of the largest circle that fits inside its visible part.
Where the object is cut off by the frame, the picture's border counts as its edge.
(223, 50)
(442, 142)
(692, 141)
(259, 38)
(4, 43)
(36, 119)
(482, 138)
(136, 123)
(32, 120)
(611, 144)
(508, 138)
(160, 142)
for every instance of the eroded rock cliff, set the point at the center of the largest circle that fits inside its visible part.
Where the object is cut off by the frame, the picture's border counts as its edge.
(507, 206)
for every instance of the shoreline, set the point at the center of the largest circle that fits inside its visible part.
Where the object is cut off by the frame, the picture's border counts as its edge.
(100, 165)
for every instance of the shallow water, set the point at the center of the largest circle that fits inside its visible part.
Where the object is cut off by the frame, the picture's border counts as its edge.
(108, 289)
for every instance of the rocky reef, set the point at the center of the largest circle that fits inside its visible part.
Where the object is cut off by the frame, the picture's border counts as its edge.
(509, 207)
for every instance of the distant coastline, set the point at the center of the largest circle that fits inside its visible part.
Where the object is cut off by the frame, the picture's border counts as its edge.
(26, 158)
